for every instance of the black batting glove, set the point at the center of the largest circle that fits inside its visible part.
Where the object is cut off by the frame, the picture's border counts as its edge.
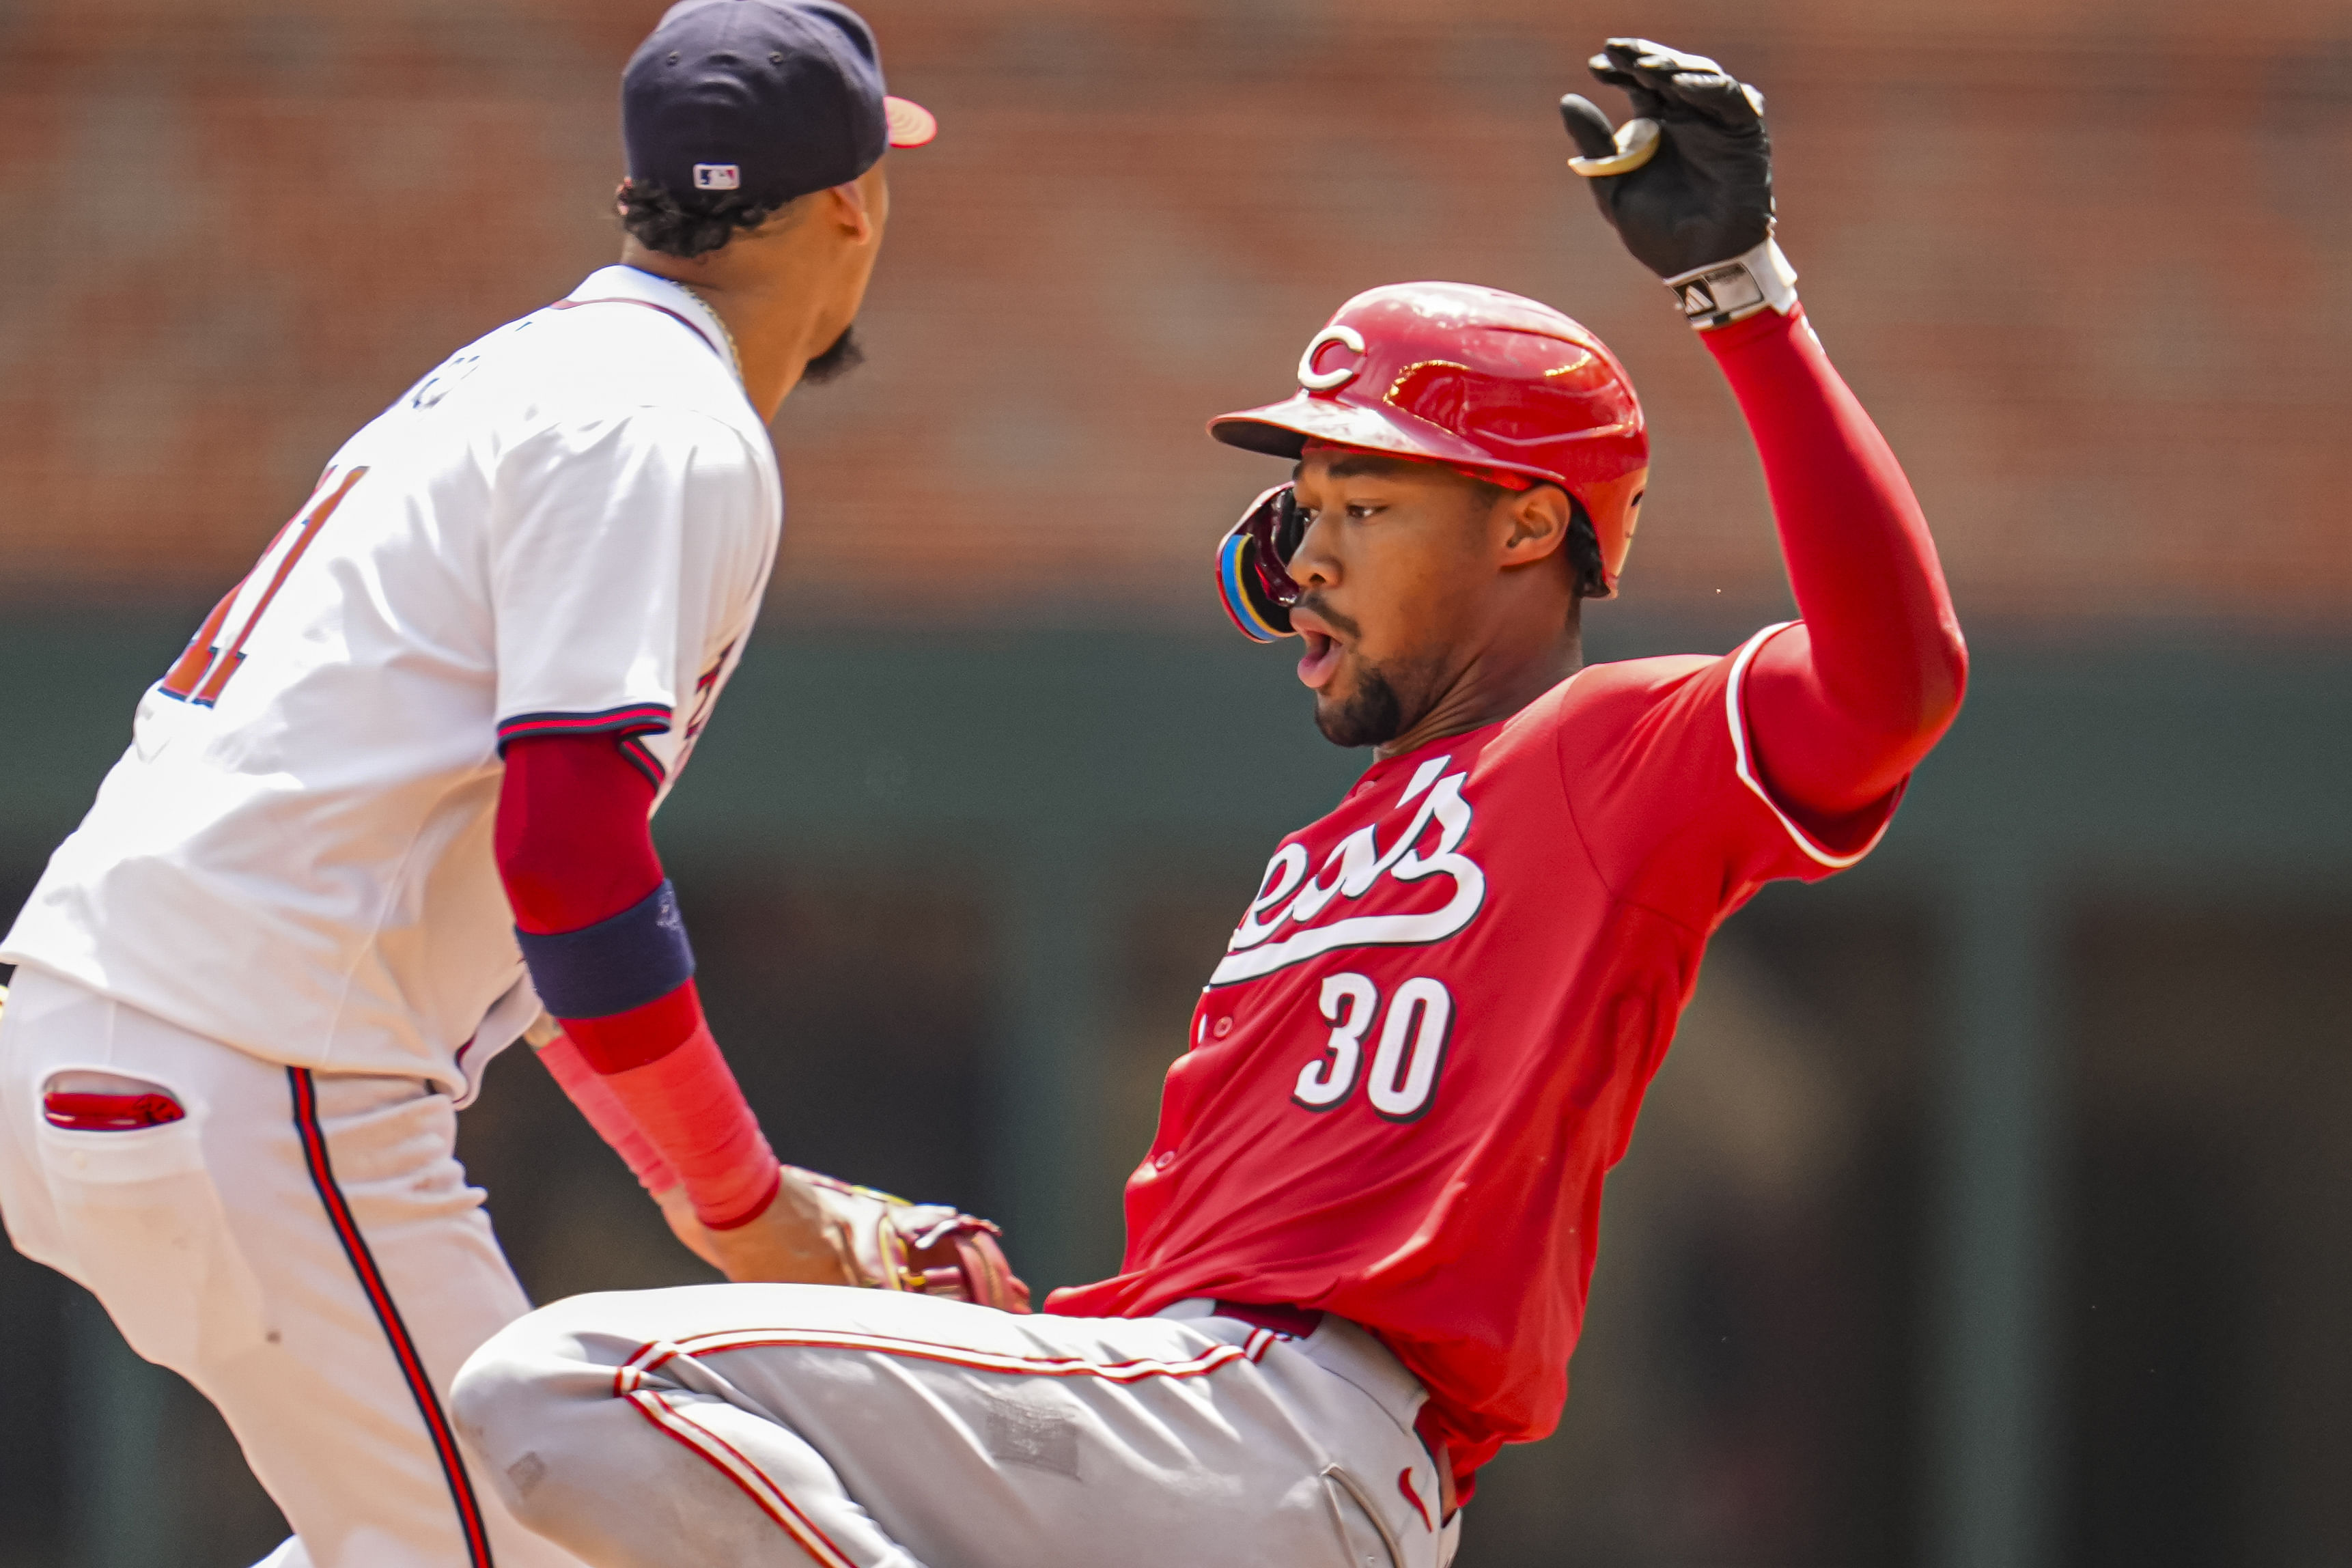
(1692, 198)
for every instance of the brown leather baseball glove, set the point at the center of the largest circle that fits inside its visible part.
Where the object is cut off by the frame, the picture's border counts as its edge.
(929, 1248)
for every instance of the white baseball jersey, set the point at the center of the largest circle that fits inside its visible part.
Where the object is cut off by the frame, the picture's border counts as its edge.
(565, 527)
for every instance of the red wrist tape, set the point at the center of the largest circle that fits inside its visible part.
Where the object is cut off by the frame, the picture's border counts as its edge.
(687, 1105)
(587, 1090)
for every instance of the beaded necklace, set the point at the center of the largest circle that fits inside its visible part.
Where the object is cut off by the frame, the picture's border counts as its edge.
(720, 322)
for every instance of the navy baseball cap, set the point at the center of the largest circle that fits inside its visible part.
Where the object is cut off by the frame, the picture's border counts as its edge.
(775, 99)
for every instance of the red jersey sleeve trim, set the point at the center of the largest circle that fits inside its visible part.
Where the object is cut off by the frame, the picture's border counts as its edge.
(1736, 717)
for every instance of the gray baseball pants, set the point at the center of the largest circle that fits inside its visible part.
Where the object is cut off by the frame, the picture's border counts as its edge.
(790, 1424)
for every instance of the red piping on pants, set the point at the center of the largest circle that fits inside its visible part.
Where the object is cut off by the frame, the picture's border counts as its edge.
(379, 1295)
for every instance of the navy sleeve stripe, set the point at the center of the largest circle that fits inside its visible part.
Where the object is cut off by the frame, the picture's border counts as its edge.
(641, 758)
(638, 719)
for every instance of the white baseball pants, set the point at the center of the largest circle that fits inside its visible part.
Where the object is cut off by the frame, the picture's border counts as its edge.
(302, 1247)
(790, 1424)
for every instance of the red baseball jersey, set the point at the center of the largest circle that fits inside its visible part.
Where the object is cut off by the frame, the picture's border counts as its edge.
(1428, 1038)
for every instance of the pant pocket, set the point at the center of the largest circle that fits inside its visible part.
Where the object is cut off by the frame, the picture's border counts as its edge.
(148, 1235)
(1369, 1541)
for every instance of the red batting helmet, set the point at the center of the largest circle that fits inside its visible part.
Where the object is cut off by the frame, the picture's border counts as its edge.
(1474, 377)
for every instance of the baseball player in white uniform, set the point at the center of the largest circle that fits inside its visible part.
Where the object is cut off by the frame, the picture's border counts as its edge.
(392, 802)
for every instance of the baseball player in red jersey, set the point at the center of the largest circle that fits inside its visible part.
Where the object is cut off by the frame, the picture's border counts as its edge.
(1358, 1246)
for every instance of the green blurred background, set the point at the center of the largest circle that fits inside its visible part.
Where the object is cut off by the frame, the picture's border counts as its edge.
(1988, 1210)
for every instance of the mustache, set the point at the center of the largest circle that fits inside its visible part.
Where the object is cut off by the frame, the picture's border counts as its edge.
(1314, 601)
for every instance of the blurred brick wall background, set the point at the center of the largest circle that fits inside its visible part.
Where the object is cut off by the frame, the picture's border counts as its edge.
(2089, 260)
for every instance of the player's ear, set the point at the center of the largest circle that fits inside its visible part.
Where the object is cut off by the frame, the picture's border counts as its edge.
(853, 208)
(1535, 523)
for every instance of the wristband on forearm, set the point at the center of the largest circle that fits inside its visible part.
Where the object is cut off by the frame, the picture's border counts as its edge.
(1726, 291)
(637, 956)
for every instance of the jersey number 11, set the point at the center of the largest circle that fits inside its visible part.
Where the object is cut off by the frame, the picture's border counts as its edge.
(202, 674)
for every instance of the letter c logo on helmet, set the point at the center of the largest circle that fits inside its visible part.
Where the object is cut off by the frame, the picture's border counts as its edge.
(1325, 380)
(1452, 372)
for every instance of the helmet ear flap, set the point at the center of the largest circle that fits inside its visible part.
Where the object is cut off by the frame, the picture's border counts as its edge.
(1256, 592)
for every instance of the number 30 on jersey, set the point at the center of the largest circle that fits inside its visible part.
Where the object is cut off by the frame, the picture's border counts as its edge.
(1413, 1030)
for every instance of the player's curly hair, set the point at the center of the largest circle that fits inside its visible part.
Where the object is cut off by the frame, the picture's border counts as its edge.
(1584, 555)
(694, 226)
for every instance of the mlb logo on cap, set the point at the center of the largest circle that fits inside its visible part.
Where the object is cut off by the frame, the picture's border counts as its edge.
(768, 99)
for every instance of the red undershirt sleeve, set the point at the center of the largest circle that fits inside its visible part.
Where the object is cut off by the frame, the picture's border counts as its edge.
(574, 848)
(1842, 708)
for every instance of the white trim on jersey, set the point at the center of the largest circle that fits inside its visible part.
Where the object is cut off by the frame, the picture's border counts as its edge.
(1737, 718)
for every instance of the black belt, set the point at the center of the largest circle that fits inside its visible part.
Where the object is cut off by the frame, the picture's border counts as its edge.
(1297, 1322)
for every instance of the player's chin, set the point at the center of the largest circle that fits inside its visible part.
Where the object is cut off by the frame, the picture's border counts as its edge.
(1358, 707)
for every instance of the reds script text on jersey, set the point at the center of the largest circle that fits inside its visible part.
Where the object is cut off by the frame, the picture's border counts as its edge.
(565, 527)
(1428, 1038)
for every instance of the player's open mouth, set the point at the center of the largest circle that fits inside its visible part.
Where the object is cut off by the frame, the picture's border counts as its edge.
(1320, 660)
